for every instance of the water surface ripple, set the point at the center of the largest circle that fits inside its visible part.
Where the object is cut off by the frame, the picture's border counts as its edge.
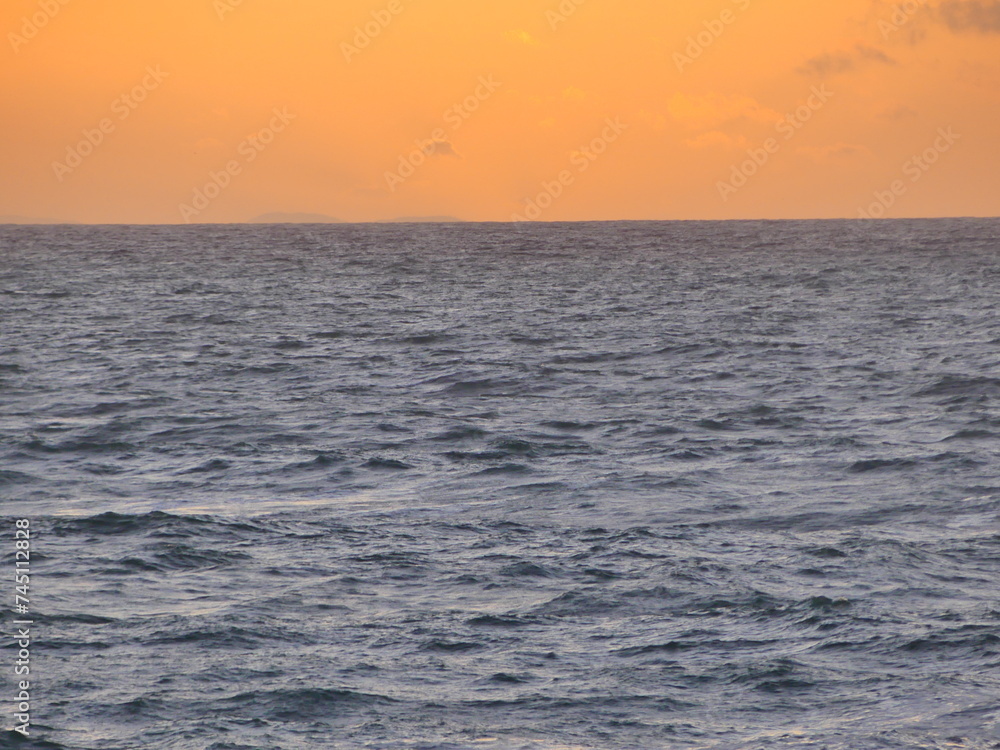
(558, 487)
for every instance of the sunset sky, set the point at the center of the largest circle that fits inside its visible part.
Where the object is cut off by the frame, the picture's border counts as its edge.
(368, 110)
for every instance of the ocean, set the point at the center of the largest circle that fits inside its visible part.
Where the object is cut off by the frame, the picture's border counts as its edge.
(597, 486)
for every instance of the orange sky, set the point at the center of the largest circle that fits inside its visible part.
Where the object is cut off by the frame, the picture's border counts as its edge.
(222, 110)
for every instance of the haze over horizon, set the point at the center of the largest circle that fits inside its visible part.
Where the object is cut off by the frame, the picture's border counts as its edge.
(220, 111)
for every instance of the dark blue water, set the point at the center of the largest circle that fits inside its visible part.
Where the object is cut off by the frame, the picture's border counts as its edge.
(480, 487)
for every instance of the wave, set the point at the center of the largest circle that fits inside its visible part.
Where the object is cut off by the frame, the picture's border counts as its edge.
(302, 704)
(961, 387)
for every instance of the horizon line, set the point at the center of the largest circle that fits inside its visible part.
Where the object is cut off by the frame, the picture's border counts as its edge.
(382, 222)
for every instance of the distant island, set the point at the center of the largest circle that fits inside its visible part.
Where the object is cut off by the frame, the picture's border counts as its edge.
(278, 217)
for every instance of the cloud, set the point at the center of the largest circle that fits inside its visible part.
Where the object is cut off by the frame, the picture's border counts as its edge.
(440, 148)
(832, 63)
(716, 139)
(971, 15)
(714, 110)
(834, 151)
(867, 52)
(652, 120)
(900, 112)
(894, 20)
(518, 35)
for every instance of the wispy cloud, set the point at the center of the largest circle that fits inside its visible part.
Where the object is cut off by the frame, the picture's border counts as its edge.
(522, 37)
(844, 61)
(900, 112)
(715, 110)
(971, 15)
(716, 139)
(439, 148)
(833, 152)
